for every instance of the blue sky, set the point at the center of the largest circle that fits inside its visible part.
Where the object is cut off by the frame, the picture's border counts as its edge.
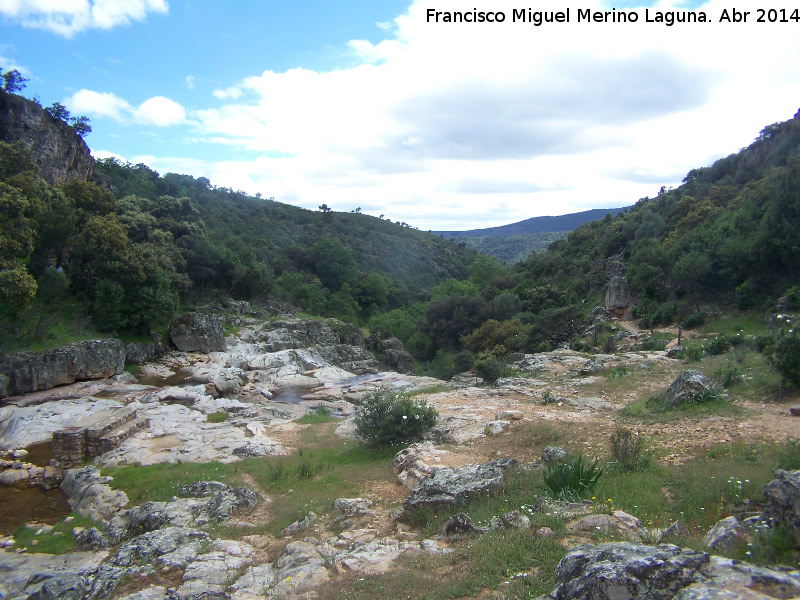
(364, 104)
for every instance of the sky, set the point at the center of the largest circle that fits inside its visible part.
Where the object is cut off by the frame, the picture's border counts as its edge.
(375, 105)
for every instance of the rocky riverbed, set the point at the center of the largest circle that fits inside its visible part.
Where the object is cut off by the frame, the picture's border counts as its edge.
(263, 378)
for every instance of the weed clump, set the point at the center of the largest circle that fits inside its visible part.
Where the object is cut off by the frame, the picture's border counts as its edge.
(385, 419)
(572, 481)
(786, 359)
(626, 450)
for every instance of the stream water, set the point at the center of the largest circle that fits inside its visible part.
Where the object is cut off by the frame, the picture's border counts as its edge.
(32, 504)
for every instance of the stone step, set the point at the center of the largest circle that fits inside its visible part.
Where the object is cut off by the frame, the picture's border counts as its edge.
(114, 438)
(100, 423)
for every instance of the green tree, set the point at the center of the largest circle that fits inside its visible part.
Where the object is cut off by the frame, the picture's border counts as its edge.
(13, 81)
(334, 263)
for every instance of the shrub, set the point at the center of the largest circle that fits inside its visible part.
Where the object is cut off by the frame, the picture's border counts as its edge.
(694, 320)
(572, 480)
(385, 419)
(786, 359)
(727, 375)
(719, 344)
(489, 368)
(626, 449)
(548, 397)
(789, 455)
(694, 352)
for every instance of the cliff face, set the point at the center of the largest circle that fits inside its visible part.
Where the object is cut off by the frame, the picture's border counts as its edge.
(59, 152)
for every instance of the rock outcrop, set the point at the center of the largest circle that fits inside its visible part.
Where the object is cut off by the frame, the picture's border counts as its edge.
(26, 372)
(626, 570)
(60, 154)
(783, 501)
(687, 388)
(450, 486)
(617, 298)
(196, 332)
(632, 571)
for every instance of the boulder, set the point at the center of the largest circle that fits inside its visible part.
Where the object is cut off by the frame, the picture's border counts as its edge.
(626, 571)
(688, 386)
(458, 525)
(617, 297)
(90, 495)
(195, 332)
(450, 486)
(416, 462)
(399, 360)
(138, 353)
(783, 501)
(726, 579)
(26, 372)
(725, 534)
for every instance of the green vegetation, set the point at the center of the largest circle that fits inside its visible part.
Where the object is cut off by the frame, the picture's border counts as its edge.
(217, 417)
(384, 419)
(571, 480)
(56, 540)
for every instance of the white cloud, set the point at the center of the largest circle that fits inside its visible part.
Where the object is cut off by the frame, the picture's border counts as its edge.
(158, 111)
(68, 17)
(99, 104)
(462, 126)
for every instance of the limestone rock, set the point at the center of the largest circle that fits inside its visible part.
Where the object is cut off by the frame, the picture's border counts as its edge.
(456, 486)
(60, 154)
(687, 387)
(625, 570)
(617, 296)
(725, 534)
(26, 372)
(553, 454)
(90, 495)
(459, 524)
(416, 462)
(195, 332)
(783, 501)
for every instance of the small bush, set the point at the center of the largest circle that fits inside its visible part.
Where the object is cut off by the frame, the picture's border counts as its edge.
(321, 409)
(727, 375)
(719, 344)
(385, 419)
(693, 352)
(609, 346)
(489, 368)
(789, 455)
(548, 398)
(765, 343)
(580, 346)
(694, 320)
(618, 372)
(626, 449)
(572, 481)
(786, 359)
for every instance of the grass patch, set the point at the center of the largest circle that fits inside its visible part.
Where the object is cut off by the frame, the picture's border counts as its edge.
(58, 541)
(315, 418)
(217, 417)
(161, 482)
(429, 390)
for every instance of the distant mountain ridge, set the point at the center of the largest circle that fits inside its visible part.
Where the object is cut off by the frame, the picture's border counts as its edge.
(536, 224)
(514, 242)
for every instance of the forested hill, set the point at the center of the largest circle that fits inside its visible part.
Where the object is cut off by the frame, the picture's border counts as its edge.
(515, 242)
(245, 235)
(731, 231)
(130, 247)
(544, 224)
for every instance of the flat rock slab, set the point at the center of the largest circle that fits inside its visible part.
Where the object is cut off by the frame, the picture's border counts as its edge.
(450, 486)
(24, 426)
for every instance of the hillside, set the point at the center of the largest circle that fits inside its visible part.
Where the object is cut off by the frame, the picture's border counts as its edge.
(130, 247)
(514, 242)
